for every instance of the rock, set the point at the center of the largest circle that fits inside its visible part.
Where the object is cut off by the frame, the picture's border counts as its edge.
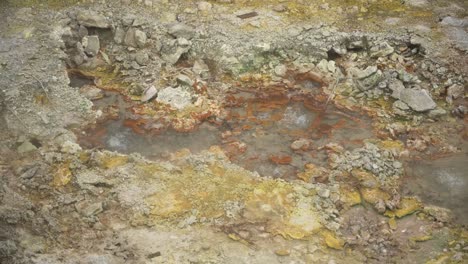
(281, 70)
(82, 31)
(172, 50)
(331, 66)
(280, 8)
(70, 147)
(149, 94)
(438, 112)
(86, 209)
(417, 99)
(26, 147)
(119, 35)
(89, 18)
(381, 50)
(301, 144)
(440, 214)
(362, 74)
(128, 19)
(455, 91)
(396, 86)
(400, 108)
(181, 30)
(91, 45)
(7, 248)
(140, 38)
(142, 58)
(204, 6)
(178, 97)
(129, 39)
(454, 22)
(183, 79)
(324, 193)
(417, 3)
(86, 179)
(200, 67)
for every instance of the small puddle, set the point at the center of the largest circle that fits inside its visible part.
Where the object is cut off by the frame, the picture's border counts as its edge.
(269, 124)
(442, 182)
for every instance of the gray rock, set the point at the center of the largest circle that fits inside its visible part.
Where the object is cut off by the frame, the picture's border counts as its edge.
(7, 248)
(400, 105)
(454, 22)
(89, 18)
(86, 209)
(200, 67)
(184, 80)
(281, 70)
(91, 92)
(172, 50)
(362, 74)
(91, 45)
(142, 58)
(204, 6)
(26, 147)
(129, 39)
(455, 91)
(140, 38)
(149, 94)
(119, 35)
(88, 178)
(417, 3)
(436, 113)
(366, 79)
(128, 19)
(82, 31)
(180, 30)
(396, 86)
(417, 99)
(381, 50)
(178, 98)
(280, 8)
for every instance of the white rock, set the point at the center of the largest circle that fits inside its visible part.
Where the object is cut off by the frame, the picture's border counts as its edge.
(204, 6)
(178, 98)
(149, 94)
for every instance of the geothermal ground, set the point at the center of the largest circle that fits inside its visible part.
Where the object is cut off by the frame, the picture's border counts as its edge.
(233, 131)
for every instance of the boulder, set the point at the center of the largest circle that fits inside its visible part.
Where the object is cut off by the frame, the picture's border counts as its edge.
(92, 19)
(417, 99)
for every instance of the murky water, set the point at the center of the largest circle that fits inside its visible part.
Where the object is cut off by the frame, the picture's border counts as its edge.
(256, 135)
(268, 126)
(442, 182)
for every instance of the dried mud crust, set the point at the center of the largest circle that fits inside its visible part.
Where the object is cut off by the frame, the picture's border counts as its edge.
(246, 68)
